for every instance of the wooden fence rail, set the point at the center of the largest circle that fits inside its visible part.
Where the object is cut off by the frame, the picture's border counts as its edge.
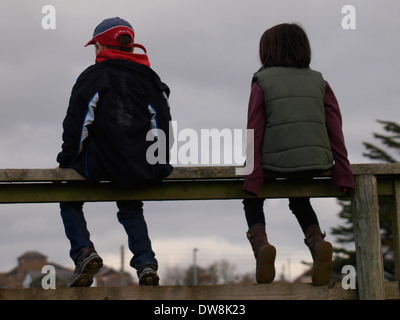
(202, 183)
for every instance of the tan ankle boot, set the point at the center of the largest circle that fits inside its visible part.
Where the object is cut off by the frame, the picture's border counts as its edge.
(321, 252)
(263, 252)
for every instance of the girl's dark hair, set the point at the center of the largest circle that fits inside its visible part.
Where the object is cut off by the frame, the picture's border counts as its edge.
(285, 45)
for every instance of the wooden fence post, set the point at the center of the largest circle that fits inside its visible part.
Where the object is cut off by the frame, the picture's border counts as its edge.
(369, 259)
(396, 226)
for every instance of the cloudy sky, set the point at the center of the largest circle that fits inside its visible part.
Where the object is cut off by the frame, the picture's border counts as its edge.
(206, 51)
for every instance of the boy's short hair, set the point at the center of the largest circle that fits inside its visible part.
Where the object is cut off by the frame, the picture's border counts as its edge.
(285, 45)
(123, 40)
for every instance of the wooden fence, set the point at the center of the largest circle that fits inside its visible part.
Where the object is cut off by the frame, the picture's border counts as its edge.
(203, 183)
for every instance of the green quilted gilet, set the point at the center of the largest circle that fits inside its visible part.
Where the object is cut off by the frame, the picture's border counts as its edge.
(295, 137)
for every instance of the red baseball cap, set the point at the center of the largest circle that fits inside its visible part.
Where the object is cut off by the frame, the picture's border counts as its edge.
(108, 32)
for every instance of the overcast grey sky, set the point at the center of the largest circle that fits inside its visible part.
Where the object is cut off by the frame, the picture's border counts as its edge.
(206, 51)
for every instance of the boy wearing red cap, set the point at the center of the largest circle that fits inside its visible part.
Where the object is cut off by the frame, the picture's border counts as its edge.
(113, 105)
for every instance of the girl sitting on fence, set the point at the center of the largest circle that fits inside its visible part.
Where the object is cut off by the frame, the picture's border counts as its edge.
(297, 127)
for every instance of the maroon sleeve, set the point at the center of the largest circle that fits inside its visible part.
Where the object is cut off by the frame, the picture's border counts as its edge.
(342, 176)
(256, 121)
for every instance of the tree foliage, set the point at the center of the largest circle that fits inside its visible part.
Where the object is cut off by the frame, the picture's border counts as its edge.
(391, 142)
(387, 151)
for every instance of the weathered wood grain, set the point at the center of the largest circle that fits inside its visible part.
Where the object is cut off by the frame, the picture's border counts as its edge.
(200, 183)
(396, 226)
(367, 238)
(190, 172)
(272, 291)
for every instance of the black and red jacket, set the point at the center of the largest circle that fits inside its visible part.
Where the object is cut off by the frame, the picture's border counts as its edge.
(113, 105)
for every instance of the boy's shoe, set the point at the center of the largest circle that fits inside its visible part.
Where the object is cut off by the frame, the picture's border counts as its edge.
(87, 265)
(148, 275)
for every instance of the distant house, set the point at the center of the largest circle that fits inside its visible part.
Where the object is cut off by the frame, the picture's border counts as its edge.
(108, 277)
(28, 273)
(29, 268)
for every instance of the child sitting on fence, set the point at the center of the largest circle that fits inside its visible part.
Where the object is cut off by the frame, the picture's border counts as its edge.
(297, 127)
(113, 105)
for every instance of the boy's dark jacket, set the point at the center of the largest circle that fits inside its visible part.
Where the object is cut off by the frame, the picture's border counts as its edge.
(113, 105)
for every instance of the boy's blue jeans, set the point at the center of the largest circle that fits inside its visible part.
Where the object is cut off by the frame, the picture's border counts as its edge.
(130, 215)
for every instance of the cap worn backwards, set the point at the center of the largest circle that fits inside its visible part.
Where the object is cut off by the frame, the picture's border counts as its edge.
(108, 32)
